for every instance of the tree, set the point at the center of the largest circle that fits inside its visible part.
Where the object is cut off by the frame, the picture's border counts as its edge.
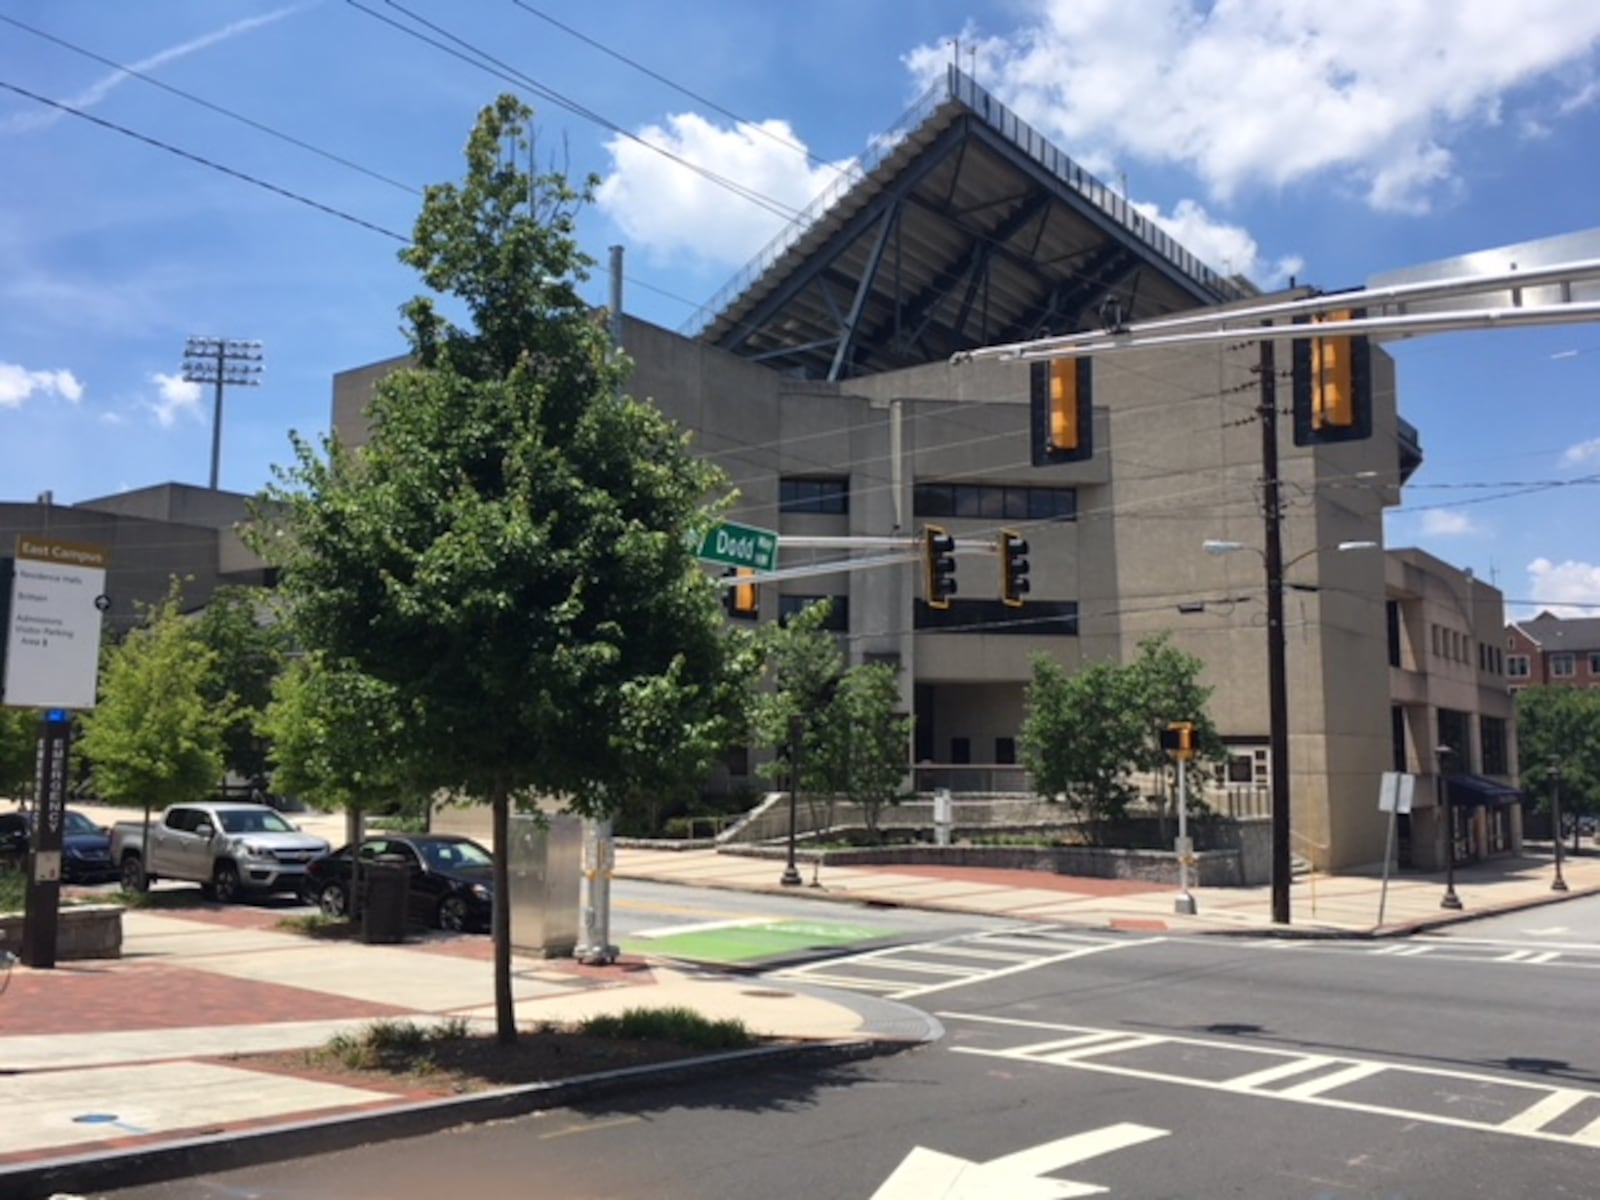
(1164, 683)
(19, 740)
(1560, 724)
(154, 737)
(510, 553)
(248, 654)
(864, 743)
(802, 666)
(1081, 735)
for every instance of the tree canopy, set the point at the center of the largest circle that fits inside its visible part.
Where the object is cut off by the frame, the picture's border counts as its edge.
(1560, 725)
(248, 650)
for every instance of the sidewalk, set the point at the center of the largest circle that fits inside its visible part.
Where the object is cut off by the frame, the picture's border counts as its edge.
(1320, 905)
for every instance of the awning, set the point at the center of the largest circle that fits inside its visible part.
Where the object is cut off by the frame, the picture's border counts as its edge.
(1475, 789)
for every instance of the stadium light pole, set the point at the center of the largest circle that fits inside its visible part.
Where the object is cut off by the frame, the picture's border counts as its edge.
(1278, 691)
(222, 362)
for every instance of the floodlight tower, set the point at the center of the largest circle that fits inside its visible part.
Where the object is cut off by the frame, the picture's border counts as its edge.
(222, 362)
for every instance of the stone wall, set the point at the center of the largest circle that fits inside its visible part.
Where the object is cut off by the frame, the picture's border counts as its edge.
(82, 932)
(1213, 868)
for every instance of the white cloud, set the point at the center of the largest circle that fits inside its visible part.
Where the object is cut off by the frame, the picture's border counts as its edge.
(1445, 522)
(17, 384)
(1558, 586)
(668, 210)
(177, 397)
(1266, 93)
(1228, 248)
(1580, 453)
(106, 84)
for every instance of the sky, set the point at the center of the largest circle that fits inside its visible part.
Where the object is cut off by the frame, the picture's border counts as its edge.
(1273, 138)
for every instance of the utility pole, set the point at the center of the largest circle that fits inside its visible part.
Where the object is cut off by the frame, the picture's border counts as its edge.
(1277, 677)
(222, 362)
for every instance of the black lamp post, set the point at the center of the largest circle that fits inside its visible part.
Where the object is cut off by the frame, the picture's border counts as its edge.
(791, 874)
(1558, 884)
(1451, 900)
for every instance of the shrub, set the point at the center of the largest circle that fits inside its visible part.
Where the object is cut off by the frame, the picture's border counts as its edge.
(681, 1025)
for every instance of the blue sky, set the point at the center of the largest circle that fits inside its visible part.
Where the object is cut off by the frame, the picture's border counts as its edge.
(1273, 137)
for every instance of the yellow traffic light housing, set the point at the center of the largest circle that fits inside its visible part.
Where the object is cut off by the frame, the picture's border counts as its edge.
(741, 600)
(1178, 740)
(1060, 397)
(1331, 376)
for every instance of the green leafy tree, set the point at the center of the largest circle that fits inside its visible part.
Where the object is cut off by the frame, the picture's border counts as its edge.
(1560, 724)
(863, 750)
(1081, 737)
(1164, 683)
(510, 553)
(802, 666)
(154, 737)
(19, 740)
(248, 650)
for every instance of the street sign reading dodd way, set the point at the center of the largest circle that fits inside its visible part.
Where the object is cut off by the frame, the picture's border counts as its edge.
(740, 546)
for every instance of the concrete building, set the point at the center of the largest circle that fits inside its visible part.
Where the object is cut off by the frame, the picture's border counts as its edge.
(1448, 689)
(820, 382)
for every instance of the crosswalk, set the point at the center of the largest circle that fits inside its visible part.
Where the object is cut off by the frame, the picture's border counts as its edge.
(924, 968)
(1575, 956)
(1461, 1099)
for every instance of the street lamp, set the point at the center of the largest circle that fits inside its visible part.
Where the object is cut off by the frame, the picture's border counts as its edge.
(1451, 900)
(1558, 884)
(791, 874)
(1278, 699)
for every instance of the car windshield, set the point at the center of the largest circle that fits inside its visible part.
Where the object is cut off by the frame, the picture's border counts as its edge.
(78, 823)
(244, 820)
(453, 856)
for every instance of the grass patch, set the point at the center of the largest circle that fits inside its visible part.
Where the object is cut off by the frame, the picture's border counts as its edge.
(390, 1045)
(317, 925)
(681, 1025)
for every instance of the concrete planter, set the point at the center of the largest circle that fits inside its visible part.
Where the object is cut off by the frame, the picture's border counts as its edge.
(1213, 868)
(82, 932)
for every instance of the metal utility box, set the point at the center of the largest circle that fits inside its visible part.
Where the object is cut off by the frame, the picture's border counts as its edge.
(545, 861)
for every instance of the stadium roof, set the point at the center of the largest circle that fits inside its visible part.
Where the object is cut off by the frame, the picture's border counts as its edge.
(964, 228)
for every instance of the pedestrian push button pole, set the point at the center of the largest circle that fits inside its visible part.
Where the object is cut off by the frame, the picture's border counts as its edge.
(1177, 739)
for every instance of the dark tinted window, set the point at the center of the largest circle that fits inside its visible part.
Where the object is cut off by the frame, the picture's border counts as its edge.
(814, 495)
(1057, 618)
(993, 502)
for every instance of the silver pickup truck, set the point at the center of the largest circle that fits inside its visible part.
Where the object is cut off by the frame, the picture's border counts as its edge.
(227, 848)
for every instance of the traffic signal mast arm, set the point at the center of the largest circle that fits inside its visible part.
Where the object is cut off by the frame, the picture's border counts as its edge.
(898, 550)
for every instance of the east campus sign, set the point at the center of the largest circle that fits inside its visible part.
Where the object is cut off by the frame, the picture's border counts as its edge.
(52, 626)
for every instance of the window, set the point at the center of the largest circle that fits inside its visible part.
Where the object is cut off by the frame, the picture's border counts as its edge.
(1005, 751)
(1397, 736)
(1561, 666)
(1517, 666)
(1483, 657)
(1436, 641)
(1455, 731)
(1241, 768)
(838, 610)
(961, 750)
(1594, 662)
(1392, 613)
(1049, 618)
(1492, 737)
(824, 495)
(995, 502)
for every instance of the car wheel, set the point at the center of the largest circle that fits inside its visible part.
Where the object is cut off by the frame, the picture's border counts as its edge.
(453, 917)
(225, 885)
(333, 902)
(134, 880)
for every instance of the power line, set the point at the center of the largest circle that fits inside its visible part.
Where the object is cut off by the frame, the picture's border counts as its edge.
(206, 162)
(213, 107)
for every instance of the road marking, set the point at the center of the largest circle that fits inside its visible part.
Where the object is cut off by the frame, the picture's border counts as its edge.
(665, 931)
(925, 1173)
(1552, 931)
(1546, 1103)
(1544, 956)
(1540, 1114)
(1514, 956)
(1393, 948)
(1413, 951)
(592, 1127)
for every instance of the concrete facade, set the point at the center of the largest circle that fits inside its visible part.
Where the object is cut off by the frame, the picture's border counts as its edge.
(1177, 461)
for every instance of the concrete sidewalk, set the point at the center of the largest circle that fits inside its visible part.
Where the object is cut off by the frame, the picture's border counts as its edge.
(1321, 905)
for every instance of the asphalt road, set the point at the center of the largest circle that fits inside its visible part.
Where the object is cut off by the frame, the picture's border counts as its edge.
(1146, 1066)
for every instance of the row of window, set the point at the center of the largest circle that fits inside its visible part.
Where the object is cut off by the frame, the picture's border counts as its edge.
(1456, 646)
(830, 495)
(1562, 666)
(1454, 729)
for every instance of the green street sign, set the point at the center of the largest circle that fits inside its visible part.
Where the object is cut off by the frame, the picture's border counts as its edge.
(740, 546)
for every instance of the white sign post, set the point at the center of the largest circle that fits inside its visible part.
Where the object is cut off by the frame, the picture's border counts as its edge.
(52, 636)
(1395, 794)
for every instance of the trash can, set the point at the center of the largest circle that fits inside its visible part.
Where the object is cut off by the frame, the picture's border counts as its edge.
(385, 886)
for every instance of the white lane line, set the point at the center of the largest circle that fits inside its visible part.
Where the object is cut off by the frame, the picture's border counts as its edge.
(1246, 1083)
(973, 952)
(1589, 1135)
(1082, 1039)
(1591, 947)
(1413, 951)
(1512, 956)
(1133, 1042)
(917, 967)
(1041, 942)
(1327, 1083)
(1537, 1116)
(1081, 952)
(1544, 956)
(1393, 948)
(844, 981)
(664, 931)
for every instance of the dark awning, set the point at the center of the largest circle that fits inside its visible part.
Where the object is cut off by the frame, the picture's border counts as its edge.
(1475, 789)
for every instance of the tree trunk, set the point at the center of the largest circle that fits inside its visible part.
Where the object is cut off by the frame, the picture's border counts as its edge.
(505, 1014)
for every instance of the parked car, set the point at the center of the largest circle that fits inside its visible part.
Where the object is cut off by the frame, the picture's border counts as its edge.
(227, 848)
(452, 879)
(85, 846)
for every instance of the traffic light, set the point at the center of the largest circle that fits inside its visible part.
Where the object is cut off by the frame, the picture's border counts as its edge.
(741, 600)
(1177, 739)
(938, 566)
(1014, 567)
(1331, 377)
(1060, 393)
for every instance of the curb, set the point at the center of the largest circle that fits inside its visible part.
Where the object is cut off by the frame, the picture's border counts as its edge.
(232, 1150)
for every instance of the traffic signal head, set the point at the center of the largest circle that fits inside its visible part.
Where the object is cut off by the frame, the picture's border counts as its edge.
(1014, 567)
(741, 599)
(1331, 378)
(1060, 401)
(1178, 740)
(938, 566)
